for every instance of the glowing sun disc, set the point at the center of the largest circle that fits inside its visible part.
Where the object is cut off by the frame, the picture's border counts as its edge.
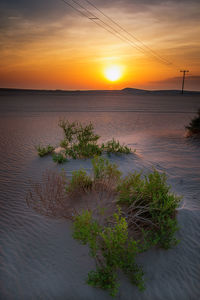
(113, 73)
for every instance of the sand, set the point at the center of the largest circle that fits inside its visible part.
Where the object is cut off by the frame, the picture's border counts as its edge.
(39, 257)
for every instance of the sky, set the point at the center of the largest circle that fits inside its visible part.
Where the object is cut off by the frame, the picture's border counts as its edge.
(49, 45)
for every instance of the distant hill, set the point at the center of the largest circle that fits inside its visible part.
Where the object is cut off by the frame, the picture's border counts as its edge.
(139, 91)
(132, 91)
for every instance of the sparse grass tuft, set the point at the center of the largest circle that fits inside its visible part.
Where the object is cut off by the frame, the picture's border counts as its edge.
(64, 144)
(114, 146)
(42, 151)
(83, 150)
(59, 158)
(49, 197)
(80, 182)
(104, 170)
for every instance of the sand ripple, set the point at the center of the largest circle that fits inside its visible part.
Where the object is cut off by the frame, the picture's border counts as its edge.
(39, 258)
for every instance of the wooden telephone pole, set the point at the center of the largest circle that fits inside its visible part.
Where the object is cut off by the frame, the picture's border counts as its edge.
(183, 71)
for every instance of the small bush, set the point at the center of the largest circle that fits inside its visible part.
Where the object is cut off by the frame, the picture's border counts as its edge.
(194, 126)
(86, 134)
(95, 192)
(131, 188)
(64, 144)
(77, 134)
(104, 170)
(112, 249)
(84, 150)
(70, 129)
(80, 182)
(114, 146)
(87, 230)
(116, 217)
(81, 142)
(104, 278)
(42, 151)
(59, 158)
(149, 204)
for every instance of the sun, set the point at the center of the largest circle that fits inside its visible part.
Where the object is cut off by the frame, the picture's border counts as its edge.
(113, 73)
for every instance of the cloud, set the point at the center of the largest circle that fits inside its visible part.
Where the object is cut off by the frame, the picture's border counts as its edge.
(140, 17)
(33, 32)
(191, 83)
(160, 13)
(32, 9)
(46, 9)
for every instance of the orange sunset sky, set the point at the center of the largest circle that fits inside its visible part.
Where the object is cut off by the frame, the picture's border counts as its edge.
(49, 45)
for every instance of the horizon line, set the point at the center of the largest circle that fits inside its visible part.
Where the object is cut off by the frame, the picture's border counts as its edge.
(95, 90)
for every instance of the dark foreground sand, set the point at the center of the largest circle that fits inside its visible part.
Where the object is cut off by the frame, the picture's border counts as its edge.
(39, 258)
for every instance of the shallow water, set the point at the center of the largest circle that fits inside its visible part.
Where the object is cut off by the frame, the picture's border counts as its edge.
(39, 258)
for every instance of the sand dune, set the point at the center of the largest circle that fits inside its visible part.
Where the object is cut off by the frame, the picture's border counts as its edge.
(39, 258)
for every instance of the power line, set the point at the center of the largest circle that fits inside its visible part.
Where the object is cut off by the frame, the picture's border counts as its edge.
(93, 20)
(130, 34)
(85, 15)
(139, 48)
(91, 16)
(115, 32)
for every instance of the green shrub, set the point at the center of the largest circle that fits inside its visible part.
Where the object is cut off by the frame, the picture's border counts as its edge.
(42, 151)
(119, 220)
(194, 126)
(81, 142)
(70, 130)
(85, 150)
(117, 247)
(64, 144)
(114, 146)
(103, 169)
(76, 133)
(86, 230)
(105, 175)
(112, 249)
(104, 278)
(151, 204)
(86, 134)
(80, 181)
(131, 188)
(71, 152)
(59, 158)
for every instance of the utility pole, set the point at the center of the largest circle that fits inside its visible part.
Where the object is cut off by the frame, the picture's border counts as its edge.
(183, 71)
